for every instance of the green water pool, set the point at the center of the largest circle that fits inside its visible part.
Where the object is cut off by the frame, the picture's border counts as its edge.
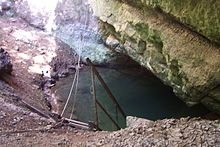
(143, 96)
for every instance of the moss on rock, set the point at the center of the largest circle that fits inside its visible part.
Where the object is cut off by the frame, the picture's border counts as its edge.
(179, 57)
(201, 16)
(148, 34)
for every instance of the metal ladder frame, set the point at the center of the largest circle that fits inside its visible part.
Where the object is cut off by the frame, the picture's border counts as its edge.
(94, 73)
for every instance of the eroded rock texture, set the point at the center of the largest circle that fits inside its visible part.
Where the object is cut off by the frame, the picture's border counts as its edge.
(199, 15)
(6, 8)
(5, 63)
(72, 22)
(181, 58)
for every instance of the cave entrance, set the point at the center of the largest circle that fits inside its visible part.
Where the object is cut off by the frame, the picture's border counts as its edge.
(138, 92)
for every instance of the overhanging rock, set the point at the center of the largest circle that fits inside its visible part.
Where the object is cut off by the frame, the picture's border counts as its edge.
(179, 57)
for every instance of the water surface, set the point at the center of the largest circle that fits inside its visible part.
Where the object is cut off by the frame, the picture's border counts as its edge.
(143, 96)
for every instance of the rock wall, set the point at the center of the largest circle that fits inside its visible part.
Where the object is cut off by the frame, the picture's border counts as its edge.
(199, 15)
(39, 13)
(72, 22)
(178, 56)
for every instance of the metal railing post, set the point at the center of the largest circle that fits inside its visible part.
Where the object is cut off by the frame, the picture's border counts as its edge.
(100, 105)
(116, 113)
(105, 87)
(94, 95)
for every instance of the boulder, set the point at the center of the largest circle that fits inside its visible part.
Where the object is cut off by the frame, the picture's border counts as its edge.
(6, 7)
(5, 63)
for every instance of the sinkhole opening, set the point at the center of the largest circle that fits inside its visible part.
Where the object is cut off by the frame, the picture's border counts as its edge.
(138, 92)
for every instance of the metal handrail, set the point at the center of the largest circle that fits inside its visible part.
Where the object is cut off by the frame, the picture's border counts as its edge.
(103, 109)
(96, 102)
(105, 87)
(94, 95)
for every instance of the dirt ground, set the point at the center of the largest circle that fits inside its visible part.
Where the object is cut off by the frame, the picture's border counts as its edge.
(35, 56)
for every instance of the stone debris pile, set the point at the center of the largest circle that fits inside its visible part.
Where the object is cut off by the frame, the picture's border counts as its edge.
(167, 132)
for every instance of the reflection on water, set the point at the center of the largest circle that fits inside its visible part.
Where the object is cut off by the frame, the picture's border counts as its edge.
(141, 96)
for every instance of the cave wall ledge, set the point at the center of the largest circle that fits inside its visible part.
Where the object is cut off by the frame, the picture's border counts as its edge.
(174, 41)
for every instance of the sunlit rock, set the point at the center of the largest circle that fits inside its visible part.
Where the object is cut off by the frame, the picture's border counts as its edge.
(72, 22)
(39, 13)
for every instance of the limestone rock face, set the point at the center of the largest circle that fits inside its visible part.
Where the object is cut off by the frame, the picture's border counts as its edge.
(133, 122)
(179, 57)
(72, 22)
(38, 13)
(199, 15)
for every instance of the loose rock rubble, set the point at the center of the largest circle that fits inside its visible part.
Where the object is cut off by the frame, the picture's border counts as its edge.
(167, 132)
